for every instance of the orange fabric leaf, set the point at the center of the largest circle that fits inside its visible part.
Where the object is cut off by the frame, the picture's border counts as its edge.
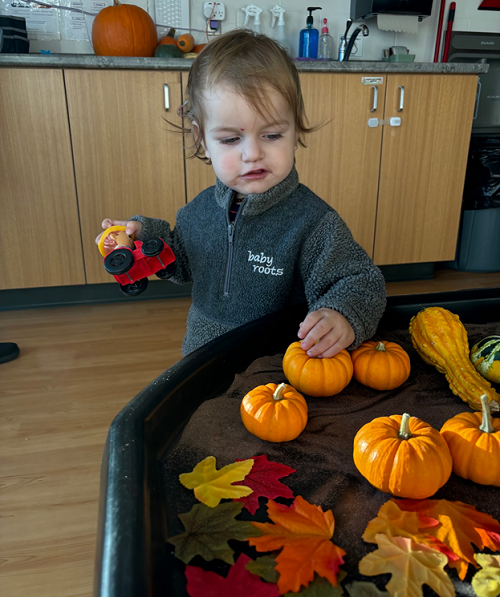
(461, 526)
(304, 531)
(394, 522)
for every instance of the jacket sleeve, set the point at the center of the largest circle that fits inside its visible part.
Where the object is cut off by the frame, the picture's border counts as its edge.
(339, 274)
(173, 238)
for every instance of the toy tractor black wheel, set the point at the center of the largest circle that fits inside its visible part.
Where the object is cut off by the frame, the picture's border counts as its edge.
(167, 272)
(118, 262)
(152, 247)
(138, 287)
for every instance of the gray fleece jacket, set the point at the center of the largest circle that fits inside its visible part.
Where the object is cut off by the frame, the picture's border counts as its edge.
(285, 247)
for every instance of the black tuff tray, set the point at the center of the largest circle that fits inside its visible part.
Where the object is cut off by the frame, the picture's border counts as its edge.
(131, 555)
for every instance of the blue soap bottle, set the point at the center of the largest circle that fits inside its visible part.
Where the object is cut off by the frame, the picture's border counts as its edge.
(308, 43)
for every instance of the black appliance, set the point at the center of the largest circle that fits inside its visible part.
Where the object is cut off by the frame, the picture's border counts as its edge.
(478, 247)
(363, 9)
(472, 47)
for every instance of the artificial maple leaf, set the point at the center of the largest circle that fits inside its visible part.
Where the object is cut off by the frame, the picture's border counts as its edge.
(208, 531)
(319, 587)
(461, 525)
(239, 581)
(304, 531)
(365, 589)
(486, 582)
(394, 522)
(265, 567)
(211, 485)
(411, 565)
(263, 481)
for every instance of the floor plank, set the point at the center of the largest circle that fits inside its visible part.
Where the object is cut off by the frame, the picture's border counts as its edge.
(78, 367)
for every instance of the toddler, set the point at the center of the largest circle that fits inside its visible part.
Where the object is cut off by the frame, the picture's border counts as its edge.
(258, 240)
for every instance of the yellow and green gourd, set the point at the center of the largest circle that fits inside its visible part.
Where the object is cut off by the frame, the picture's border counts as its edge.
(485, 356)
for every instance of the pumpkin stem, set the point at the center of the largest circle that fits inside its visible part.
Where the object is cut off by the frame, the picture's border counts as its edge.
(171, 33)
(486, 425)
(278, 392)
(380, 346)
(404, 429)
(116, 2)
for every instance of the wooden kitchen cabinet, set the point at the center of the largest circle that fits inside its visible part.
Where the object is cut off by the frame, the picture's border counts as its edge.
(40, 239)
(422, 168)
(128, 158)
(398, 188)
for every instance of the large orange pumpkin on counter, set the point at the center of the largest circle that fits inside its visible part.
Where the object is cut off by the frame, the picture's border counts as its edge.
(124, 30)
(402, 455)
(317, 377)
(380, 365)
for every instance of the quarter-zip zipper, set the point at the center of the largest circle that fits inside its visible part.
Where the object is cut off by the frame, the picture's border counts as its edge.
(230, 236)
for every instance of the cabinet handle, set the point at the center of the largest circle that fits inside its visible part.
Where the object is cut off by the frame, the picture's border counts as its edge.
(401, 98)
(167, 97)
(375, 98)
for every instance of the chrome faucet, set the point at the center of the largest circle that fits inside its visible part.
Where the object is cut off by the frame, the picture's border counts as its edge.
(361, 29)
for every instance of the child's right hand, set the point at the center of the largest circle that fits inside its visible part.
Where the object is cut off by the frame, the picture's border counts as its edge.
(132, 226)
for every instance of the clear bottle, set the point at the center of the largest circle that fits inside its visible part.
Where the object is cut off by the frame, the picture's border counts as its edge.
(325, 46)
(308, 43)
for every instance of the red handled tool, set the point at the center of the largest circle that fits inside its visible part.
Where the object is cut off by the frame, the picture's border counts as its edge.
(451, 18)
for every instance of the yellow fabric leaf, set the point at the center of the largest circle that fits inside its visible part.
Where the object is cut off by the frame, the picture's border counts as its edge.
(411, 565)
(486, 582)
(211, 485)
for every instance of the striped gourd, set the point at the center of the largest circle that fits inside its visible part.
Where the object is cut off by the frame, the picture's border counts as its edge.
(441, 340)
(485, 355)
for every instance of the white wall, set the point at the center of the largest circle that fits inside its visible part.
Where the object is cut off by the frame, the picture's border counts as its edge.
(467, 18)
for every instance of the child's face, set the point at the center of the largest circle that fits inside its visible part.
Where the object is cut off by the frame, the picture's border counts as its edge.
(248, 153)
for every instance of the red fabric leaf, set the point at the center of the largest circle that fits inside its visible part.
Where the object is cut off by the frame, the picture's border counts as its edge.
(201, 583)
(263, 480)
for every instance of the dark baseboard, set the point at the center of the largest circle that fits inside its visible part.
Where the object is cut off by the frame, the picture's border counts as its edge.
(407, 271)
(58, 296)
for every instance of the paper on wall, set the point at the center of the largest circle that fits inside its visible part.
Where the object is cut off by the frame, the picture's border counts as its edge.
(42, 23)
(78, 26)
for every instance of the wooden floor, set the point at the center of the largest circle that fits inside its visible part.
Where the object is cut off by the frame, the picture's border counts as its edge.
(78, 367)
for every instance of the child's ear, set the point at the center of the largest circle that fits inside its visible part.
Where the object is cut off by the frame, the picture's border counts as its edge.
(197, 135)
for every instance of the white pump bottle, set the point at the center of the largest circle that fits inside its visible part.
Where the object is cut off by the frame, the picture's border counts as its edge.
(280, 35)
(252, 11)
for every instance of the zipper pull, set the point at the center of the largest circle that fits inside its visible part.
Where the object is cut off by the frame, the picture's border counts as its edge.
(230, 231)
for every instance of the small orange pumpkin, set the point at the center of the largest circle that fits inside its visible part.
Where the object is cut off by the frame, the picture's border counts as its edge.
(185, 42)
(124, 30)
(198, 48)
(380, 365)
(402, 455)
(317, 377)
(168, 39)
(474, 442)
(274, 413)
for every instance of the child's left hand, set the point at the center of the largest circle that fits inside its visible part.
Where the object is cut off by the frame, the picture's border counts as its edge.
(324, 333)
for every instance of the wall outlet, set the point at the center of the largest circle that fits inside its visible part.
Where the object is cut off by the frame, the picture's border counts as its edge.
(357, 49)
(217, 13)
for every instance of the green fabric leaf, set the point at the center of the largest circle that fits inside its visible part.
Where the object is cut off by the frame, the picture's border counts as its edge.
(265, 568)
(365, 589)
(208, 531)
(321, 587)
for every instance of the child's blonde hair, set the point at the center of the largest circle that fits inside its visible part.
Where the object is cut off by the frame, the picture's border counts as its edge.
(249, 64)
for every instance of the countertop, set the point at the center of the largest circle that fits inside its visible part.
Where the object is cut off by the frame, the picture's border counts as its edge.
(130, 63)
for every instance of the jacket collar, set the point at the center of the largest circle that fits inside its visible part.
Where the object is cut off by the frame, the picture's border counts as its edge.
(257, 203)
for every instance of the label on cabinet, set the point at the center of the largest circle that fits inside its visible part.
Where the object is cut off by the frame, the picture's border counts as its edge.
(372, 80)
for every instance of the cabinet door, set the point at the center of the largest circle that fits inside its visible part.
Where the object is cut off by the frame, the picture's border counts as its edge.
(40, 239)
(341, 162)
(128, 158)
(423, 167)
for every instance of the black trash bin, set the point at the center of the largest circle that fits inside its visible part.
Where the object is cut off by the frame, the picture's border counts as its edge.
(478, 246)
